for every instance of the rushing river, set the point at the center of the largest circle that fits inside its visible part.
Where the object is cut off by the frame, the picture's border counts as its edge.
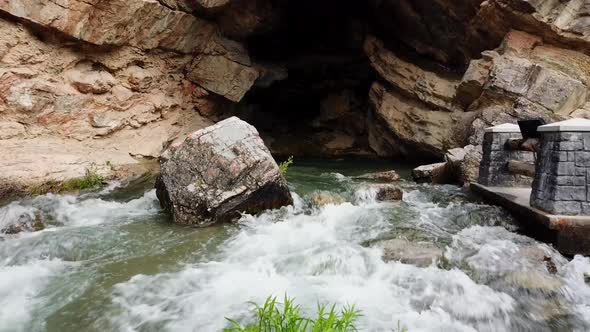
(111, 261)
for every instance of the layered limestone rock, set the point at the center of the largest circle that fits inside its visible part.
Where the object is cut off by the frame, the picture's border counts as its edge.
(430, 88)
(453, 32)
(87, 83)
(218, 173)
(528, 79)
(401, 126)
(434, 28)
(140, 23)
(524, 78)
(540, 73)
(63, 108)
(416, 111)
(223, 66)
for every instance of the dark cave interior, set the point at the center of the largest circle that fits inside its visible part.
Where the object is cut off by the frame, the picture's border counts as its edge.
(318, 75)
(313, 94)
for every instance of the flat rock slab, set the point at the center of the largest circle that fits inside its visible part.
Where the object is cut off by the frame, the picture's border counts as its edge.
(433, 173)
(569, 234)
(28, 163)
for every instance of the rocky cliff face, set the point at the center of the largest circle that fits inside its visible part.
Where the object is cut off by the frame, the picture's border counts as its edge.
(106, 83)
(537, 69)
(109, 84)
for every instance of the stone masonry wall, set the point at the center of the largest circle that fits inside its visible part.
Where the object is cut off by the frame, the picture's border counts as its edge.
(493, 169)
(562, 179)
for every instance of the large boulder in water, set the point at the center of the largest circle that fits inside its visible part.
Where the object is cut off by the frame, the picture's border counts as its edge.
(219, 172)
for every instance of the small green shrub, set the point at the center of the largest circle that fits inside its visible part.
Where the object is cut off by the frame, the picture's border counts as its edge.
(284, 166)
(89, 181)
(273, 316)
(110, 165)
(400, 328)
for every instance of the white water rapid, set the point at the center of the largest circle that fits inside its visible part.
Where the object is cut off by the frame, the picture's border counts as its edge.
(117, 264)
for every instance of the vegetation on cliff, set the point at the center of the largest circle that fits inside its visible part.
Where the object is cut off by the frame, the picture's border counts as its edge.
(90, 180)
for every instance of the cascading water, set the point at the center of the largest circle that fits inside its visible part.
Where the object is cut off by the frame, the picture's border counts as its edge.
(107, 262)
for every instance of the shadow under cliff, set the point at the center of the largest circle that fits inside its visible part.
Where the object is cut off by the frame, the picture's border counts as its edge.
(312, 96)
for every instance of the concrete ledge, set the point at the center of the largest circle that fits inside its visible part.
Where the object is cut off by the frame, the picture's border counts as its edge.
(567, 125)
(503, 128)
(569, 234)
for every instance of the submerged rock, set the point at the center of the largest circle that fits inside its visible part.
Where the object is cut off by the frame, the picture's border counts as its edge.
(534, 280)
(322, 198)
(24, 223)
(219, 172)
(387, 176)
(420, 254)
(389, 194)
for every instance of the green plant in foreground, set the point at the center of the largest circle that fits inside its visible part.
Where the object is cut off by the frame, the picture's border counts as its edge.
(284, 166)
(273, 316)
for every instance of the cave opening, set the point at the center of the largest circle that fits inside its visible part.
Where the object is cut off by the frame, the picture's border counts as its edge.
(312, 97)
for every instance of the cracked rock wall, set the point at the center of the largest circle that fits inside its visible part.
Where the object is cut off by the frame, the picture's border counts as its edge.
(86, 82)
(107, 82)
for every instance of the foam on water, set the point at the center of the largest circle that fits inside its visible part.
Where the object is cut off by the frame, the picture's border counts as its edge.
(19, 290)
(72, 210)
(491, 279)
(576, 275)
(12, 212)
(311, 257)
(450, 213)
(496, 250)
(366, 195)
(26, 266)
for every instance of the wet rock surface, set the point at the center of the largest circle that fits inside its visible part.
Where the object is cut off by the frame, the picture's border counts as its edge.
(23, 223)
(463, 164)
(433, 173)
(421, 254)
(490, 278)
(386, 176)
(389, 193)
(218, 173)
(322, 198)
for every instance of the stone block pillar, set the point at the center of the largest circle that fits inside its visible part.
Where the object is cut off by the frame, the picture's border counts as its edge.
(493, 170)
(563, 168)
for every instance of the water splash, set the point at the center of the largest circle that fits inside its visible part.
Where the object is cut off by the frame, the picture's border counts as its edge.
(20, 287)
(69, 210)
(315, 257)
(112, 264)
